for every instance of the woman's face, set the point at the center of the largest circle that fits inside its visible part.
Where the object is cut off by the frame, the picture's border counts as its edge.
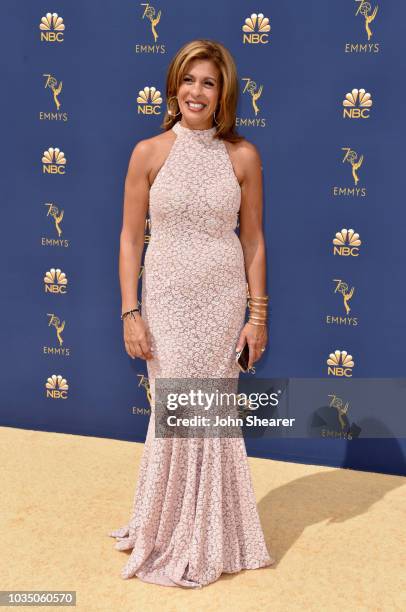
(200, 84)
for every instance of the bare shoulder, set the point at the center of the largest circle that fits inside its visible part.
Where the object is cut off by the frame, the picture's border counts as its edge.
(249, 153)
(146, 146)
(246, 158)
(144, 153)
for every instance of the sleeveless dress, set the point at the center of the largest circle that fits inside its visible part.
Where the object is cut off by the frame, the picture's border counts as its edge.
(194, 513)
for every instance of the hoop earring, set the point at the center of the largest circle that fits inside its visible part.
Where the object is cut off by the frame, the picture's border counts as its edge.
(214, 118)
(169, 111)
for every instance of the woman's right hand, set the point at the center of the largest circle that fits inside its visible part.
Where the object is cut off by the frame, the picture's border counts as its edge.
(137, 339)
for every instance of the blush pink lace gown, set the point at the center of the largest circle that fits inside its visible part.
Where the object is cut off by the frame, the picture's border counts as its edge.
(194, 513)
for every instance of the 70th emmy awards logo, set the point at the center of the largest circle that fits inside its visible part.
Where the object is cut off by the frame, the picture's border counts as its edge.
(144, 383)
(332, 420)
(365, 10)
(342, 288)
(59, 326)
(52, 28)
(55, 88)
(56, 215)
(355, 161)
(153, 18)
(346, 292)
(254, 91)
(367, 14)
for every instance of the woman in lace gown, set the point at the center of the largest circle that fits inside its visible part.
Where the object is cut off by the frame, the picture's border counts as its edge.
(194, 513)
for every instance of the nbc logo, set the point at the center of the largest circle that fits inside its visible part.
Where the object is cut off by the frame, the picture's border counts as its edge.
(340, 363)
(55, 281)
(52, 28)
(346, 243)
(53, 161)
(357, 104)
(256, 28)
(56, 387)
(149, 101)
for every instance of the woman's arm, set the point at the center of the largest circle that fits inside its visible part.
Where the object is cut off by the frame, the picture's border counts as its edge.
(251, 232)
(253, 246)
(136, 199)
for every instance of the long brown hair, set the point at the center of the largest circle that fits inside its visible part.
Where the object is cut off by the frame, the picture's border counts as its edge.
(228, 88)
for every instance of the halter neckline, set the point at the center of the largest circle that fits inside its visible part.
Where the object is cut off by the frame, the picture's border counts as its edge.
(181, 129)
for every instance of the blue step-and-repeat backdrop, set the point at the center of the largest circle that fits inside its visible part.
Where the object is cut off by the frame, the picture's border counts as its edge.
(321, 85)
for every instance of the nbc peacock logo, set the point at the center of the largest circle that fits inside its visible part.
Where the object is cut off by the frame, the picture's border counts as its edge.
(56, 387)
(346, 243)
(55, 281)
(149, 101)
(52, 28)
(340, 363)
(256, 30)
(53, 161)
(357, 104)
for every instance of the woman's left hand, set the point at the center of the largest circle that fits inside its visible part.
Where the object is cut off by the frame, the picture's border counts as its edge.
(256, 337)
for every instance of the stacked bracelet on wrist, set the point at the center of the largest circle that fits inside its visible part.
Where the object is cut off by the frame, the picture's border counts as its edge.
(258, 307)
(129, 313)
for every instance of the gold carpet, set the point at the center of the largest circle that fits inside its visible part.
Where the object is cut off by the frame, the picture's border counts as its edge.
(339, 536)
